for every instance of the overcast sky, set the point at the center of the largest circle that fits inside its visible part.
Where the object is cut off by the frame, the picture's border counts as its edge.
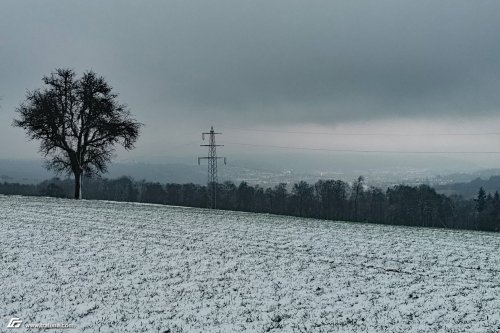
(400, 67)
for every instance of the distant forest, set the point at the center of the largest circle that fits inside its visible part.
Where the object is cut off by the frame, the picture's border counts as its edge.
(326, 199)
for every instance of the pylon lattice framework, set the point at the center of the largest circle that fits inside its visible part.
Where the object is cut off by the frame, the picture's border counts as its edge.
(212, 166)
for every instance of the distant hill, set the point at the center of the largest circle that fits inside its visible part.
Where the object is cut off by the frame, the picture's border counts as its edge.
(23, 171)
(465, 184)
(33, 172)
(162, 173)
(470, 189)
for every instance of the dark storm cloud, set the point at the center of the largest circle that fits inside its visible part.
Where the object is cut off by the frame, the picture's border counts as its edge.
(268, 61)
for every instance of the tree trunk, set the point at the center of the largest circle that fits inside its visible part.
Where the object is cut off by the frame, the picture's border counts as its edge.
(355, 210)
(356, 204)
(78, 186)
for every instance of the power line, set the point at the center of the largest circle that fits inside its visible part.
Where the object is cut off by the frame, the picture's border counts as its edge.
(361, 151)
(364, 134)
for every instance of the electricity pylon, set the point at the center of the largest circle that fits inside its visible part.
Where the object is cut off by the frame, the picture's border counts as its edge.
(212, 166)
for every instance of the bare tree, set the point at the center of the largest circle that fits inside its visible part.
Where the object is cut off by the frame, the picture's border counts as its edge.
(78, 122)
(357, 188)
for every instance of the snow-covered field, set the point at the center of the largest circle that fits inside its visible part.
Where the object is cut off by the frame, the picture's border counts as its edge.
(122, 267)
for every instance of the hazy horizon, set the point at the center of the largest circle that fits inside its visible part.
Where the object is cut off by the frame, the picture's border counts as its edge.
(389, 76)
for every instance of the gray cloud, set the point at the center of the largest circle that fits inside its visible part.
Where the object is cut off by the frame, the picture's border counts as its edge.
(266, 61)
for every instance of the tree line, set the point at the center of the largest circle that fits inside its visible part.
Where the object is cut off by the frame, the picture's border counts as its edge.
(326, 199)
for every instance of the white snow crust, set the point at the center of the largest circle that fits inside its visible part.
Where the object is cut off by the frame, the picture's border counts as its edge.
(124, 267)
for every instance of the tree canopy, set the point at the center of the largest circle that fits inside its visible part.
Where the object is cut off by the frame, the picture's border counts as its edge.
(78, 122)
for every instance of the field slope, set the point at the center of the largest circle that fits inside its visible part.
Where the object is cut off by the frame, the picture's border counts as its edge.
(120, 267)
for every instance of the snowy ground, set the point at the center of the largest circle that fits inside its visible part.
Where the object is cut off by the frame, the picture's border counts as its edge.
(118, 267)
